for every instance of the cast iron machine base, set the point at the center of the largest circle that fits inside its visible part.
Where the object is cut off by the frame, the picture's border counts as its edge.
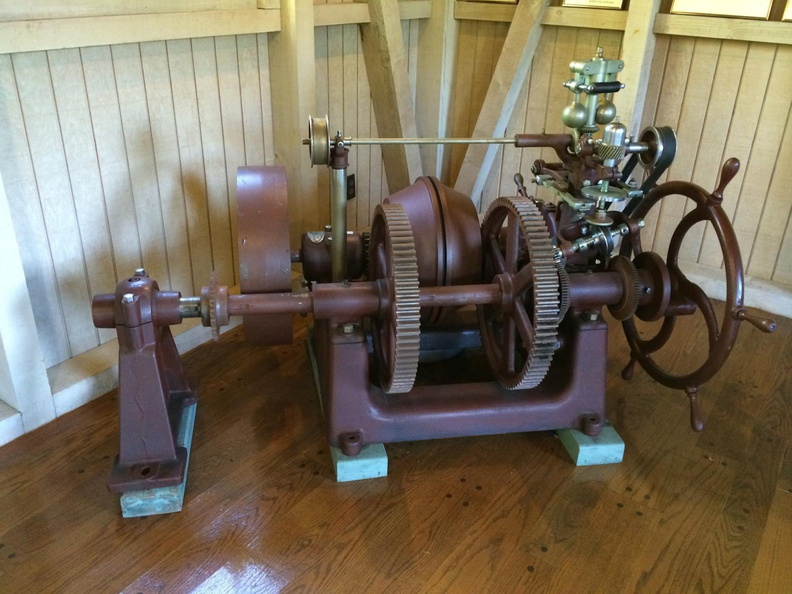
(436, 324)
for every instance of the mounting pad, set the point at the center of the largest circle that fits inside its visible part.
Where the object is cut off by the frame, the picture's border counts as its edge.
(163, 500)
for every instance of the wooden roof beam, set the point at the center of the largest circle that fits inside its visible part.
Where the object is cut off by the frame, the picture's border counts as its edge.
(507, 80)
(386, 65)
(637, 49)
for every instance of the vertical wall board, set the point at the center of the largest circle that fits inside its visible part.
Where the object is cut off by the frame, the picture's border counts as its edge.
(491, 189)
(717, 122)
(537, 100)
(28, 220)
(558, 95)
(377, 180)
(480, 71)
(266, 98)
(753, 83)
(74, 115)
(140, 159)
(335, 96)
(510, 160)
(191, 157)
(691, 120)
(363, 153)
(654, 88)
(611, 42)
(111, 151)
(675, 78)
(233, 131)
(412, 55)
(771, 223)
(250, 97)
(586, 43)
(563, 50)
(23, 377)
(165, 147)
(782, 272)
(462, 117)
(321, 48)
(349, 84)
(776, 209)
(55, 194)
(211, 125)
(764, 157)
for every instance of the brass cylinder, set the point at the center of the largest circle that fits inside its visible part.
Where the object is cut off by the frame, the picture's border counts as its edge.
(338, 199)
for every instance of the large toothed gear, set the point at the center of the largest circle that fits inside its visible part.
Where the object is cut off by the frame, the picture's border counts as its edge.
(520, 333)
(393, 261)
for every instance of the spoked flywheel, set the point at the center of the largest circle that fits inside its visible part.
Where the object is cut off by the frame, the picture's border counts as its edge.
(519, 333)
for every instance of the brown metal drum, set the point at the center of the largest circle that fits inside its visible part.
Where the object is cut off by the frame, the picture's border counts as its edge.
(264, 254)
(447, 236)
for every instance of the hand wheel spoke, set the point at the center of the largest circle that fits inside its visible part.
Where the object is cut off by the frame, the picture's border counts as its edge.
(692, 291)
(512, 243)
(523, 280)
(508, 344)
(496, 257)
(524, 326)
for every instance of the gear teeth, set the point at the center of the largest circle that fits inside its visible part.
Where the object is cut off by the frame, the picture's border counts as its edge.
(548, 295)
(405, 324)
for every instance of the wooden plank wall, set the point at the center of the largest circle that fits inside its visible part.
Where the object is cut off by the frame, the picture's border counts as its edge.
(343, 94)
(728, 99)
(724, 98)
(120, 156)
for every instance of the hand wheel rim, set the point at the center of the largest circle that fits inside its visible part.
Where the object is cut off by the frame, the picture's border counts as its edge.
(706, 210)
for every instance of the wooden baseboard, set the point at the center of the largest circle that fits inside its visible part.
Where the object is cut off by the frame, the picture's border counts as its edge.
(93, 373)
(774, 298)
(11, 425)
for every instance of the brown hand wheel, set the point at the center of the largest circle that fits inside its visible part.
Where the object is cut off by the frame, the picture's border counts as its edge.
(686, 297)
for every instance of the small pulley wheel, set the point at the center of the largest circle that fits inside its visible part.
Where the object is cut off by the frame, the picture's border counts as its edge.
(631, 294)
(396, 331)
(657, 304)
(662, 141)
(519, 333)
(264, 252)
(318, 140)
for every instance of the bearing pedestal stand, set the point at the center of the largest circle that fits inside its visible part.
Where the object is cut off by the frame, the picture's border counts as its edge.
(156, 403)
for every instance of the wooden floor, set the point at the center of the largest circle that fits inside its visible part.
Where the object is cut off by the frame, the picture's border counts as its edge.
(684, 512)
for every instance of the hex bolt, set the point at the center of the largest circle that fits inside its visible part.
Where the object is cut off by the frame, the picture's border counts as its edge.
(128, 298)
(140, 272)
(591, 316)
(348, 328)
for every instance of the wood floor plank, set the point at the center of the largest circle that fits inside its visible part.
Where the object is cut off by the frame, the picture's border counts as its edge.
(263, 512)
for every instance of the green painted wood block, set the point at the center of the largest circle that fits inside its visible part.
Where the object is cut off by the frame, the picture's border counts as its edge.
(371, 462)
(163, 500)
(606, 448)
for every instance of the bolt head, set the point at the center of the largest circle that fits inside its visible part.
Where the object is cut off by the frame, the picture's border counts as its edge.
(591, 316)
(128, 298)
(140, 272)
(348, 328)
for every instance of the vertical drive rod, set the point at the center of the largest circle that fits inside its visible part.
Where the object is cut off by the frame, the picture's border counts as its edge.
(338, 197)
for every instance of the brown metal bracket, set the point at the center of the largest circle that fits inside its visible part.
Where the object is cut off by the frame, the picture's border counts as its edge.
(153, 389)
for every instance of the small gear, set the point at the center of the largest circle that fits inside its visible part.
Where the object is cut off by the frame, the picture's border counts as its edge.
(393, 259)
(563, 293)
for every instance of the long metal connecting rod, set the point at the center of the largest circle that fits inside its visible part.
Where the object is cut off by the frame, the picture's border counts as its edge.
(348, 141)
